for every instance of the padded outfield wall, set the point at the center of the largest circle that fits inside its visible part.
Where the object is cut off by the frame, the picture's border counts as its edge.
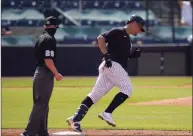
(84, 61)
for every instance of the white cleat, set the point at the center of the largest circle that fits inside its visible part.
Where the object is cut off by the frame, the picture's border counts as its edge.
(107, 117)
(75, 126)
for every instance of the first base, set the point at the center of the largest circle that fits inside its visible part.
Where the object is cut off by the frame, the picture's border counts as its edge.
(67, 133)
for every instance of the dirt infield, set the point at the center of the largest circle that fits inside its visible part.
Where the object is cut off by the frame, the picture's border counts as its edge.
(186, 101)
(90, 86)
(16, 132)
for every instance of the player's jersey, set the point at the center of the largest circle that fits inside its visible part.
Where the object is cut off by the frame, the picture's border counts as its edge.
(118, 45)
(45, 48)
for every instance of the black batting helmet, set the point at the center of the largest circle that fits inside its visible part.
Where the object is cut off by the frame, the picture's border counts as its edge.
(139, 20)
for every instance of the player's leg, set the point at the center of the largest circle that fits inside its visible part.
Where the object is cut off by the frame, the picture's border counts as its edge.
(101, 87)
(120, 78)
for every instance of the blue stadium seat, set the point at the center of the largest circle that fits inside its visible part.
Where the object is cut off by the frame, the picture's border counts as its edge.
(107, 16)
(74, 3)
(164, 33)
(14, 3)
(22, 17)
(61, 34)
(106, 4)
(68, 4)
(110, 12)
(5, 3)
(182, 32)
(27, 3)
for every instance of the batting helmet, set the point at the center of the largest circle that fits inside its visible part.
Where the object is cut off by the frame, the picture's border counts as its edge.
(139, 20)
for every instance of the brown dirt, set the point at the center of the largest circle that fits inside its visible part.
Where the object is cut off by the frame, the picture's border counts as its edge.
(89, 86)
(186, 101)
(93, 132)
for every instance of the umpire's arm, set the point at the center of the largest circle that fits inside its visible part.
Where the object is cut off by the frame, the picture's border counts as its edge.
(49, 55)
(51, 66)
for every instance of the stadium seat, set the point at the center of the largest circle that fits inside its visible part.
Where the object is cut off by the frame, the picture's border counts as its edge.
(61, 34)
(25, 17)
(110, 12)
(17, 41)
(182, 33)
(107, 16)
(162, 33)
(96, 16)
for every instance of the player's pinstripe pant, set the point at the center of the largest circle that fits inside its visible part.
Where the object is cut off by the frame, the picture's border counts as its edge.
(108, 78)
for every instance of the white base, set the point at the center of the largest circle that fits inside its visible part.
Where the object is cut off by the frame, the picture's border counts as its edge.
(67, 133)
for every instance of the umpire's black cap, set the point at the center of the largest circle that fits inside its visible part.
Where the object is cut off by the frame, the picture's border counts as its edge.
(139, 20)
(51, 20)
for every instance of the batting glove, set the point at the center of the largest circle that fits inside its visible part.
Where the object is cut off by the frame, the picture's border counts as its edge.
(107, 59)
(136, 53)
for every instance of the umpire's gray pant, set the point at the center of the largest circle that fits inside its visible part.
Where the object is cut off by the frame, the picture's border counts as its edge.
(43, 83)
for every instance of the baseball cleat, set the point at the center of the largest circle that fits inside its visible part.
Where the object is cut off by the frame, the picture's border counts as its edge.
(75, 126)
(25, 134)
(107, 117)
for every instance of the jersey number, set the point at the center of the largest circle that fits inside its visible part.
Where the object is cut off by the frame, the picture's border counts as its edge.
(49, 53)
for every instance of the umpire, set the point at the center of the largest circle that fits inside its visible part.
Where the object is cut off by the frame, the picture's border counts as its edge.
(43, 81)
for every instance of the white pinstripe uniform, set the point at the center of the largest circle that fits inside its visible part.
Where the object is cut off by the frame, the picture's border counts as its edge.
(112, 72)
(108, 78)
(116, 75)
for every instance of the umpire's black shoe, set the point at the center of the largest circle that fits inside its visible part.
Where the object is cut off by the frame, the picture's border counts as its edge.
(25, 134)
(43, 134)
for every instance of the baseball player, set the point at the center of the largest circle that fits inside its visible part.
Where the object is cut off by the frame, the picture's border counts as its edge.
(117, 49)
(43, 81)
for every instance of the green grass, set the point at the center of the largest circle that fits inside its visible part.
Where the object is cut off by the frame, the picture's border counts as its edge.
(89, 81)
(17, 104)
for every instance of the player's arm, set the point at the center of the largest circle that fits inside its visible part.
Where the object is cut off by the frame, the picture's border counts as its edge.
(102, 44)
(49, 54)
(104, 38)
(103, 48)
(102, 41)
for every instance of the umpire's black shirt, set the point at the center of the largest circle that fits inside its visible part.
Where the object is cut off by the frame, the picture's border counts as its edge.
(45, 48)
(118, 45)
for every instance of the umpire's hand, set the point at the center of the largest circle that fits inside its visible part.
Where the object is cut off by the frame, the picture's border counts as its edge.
(58, 76)
(108, 62)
